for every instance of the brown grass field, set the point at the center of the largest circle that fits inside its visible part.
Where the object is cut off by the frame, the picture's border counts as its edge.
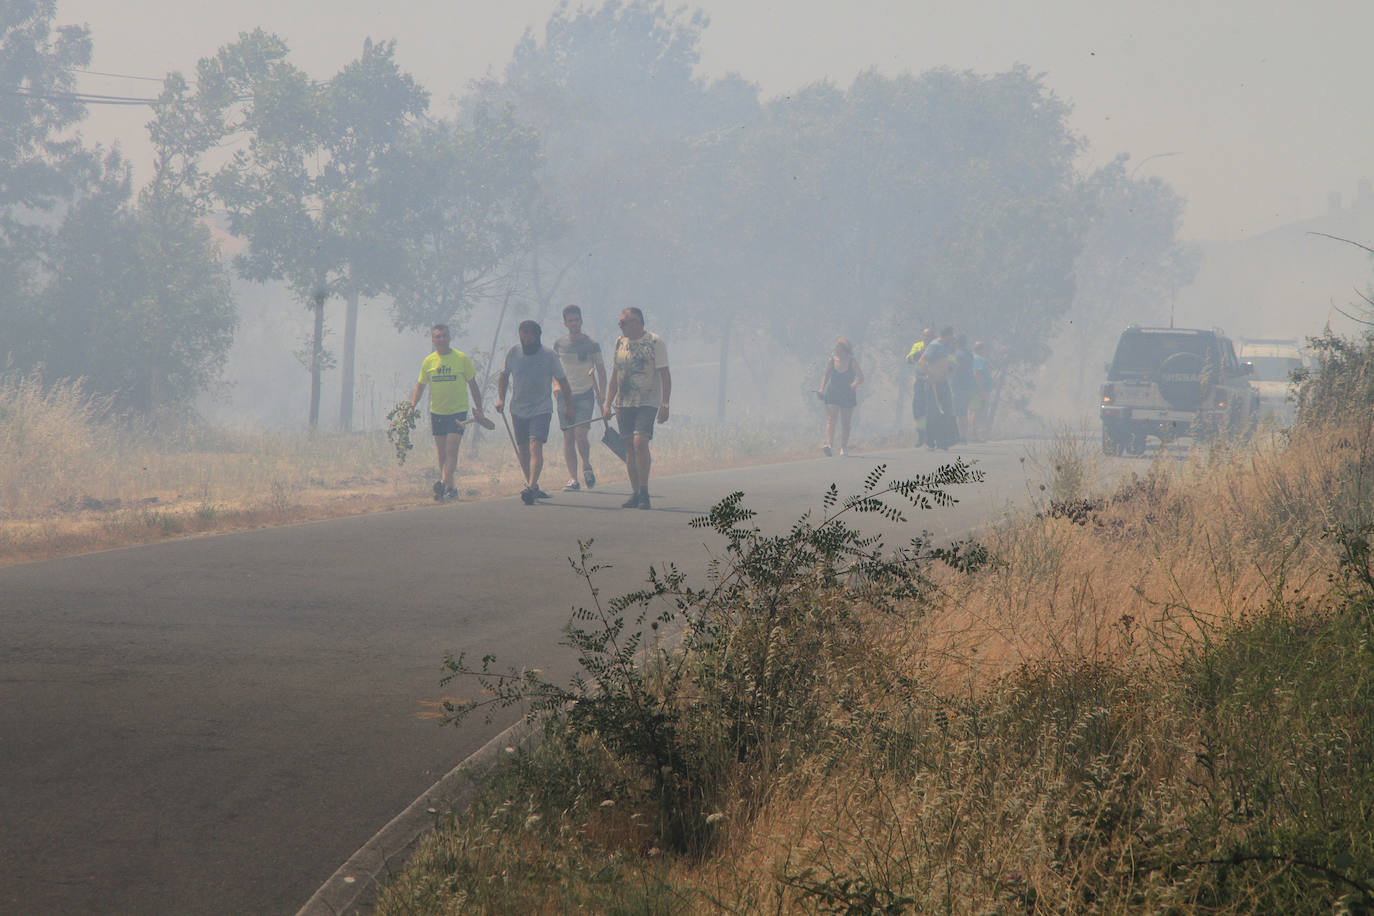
(73, 482)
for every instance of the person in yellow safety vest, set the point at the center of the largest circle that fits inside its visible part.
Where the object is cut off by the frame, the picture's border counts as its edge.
(921, 389)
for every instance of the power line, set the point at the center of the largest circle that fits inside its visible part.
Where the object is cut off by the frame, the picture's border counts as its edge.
(122, 76)
(84, 98)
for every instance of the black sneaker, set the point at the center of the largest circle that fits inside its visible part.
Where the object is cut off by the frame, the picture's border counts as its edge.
(540, 494)
(451, 493)
(527, 496)
(644, 501)
(631, 503)
(438, 490)
(589, 476)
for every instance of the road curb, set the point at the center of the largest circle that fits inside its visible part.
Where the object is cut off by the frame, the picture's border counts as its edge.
(353, 888)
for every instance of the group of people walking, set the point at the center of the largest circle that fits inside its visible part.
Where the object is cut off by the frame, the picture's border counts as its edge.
(950, 398)
(949, 401)
(573, 371)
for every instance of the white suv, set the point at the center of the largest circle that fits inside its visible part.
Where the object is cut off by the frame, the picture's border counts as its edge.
(1174, 382)
(1274, 363)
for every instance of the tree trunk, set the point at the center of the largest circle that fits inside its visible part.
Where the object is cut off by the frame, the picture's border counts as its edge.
(316, 361)
(723, 376)
(350, 349)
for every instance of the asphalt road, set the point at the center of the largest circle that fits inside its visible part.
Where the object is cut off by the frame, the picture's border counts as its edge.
(213, 725)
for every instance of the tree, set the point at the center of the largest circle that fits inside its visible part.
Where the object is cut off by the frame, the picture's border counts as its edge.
(1131, 263)
(458, 204)
(301, 191)
(39, 169)
(140, 304)
(869, 211)
(628, 129)
(132, 298)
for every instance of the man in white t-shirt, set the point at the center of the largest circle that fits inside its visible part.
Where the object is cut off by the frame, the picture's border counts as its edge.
(586, 372)
(639, 390)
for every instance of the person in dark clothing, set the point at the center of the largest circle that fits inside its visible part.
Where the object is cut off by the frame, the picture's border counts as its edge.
(942, 430)
(838, 390)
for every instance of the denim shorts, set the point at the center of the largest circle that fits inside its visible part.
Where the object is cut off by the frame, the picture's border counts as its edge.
(446, 424)
(637, 421)
(527, 428)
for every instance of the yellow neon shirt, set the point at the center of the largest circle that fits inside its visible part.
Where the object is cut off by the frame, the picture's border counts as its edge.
(447, 377)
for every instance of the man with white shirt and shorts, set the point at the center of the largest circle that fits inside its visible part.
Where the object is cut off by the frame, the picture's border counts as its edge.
(586, 372)
(638, 391)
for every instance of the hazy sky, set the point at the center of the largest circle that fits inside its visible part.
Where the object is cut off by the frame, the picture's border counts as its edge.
(1264, 104)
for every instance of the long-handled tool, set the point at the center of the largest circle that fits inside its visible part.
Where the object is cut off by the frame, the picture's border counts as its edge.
(509, 434)
(483, 421)
(611, 438)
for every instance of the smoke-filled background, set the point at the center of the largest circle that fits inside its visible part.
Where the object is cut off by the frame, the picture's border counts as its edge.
(256, 210)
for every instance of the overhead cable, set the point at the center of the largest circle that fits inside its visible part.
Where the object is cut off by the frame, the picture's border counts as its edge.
(122, 76)
(84, 98)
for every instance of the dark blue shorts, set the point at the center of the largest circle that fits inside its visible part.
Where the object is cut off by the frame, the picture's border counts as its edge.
(637, 421)
(527, 428)
(447, 424)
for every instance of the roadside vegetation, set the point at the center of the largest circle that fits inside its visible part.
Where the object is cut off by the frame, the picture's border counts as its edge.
(79, 474)
(1147, 694)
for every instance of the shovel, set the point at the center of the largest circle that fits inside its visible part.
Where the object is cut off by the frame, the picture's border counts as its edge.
(611, 438)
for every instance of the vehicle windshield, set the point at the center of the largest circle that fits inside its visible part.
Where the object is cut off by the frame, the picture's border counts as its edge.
(1142, 352)
(1274, 368)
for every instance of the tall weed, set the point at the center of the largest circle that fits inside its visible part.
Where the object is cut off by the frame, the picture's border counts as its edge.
(51, 438)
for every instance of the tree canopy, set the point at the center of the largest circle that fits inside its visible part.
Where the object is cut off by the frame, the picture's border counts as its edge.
(127, 293)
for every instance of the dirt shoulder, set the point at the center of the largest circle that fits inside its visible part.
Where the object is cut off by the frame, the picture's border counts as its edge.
(92, 522)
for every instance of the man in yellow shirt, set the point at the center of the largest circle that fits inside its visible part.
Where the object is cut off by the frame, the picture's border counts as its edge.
(921, 390)
(451, 376)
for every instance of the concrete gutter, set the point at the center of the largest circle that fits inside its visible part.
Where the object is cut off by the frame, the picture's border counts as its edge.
(354, 887)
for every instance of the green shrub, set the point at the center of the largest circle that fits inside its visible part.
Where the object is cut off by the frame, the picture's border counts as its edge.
(1284, 711)
(743, 693)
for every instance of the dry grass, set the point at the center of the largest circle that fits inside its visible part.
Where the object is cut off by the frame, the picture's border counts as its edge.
(74, 480)
(1030, 740)
(1168, 560)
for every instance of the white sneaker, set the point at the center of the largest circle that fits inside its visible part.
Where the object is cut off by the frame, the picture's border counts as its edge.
(843, 453)
(573, 485)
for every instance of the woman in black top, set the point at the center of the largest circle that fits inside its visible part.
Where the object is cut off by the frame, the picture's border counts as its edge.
(842, 377)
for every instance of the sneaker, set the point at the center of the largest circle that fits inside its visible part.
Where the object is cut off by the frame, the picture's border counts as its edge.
(644, 501)
(826, 450)
(527, 496)
(843, 453)
(573, 485)
(451, 493)
(589, 476)
(540, 494)
(631, 503)
(438, 490)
